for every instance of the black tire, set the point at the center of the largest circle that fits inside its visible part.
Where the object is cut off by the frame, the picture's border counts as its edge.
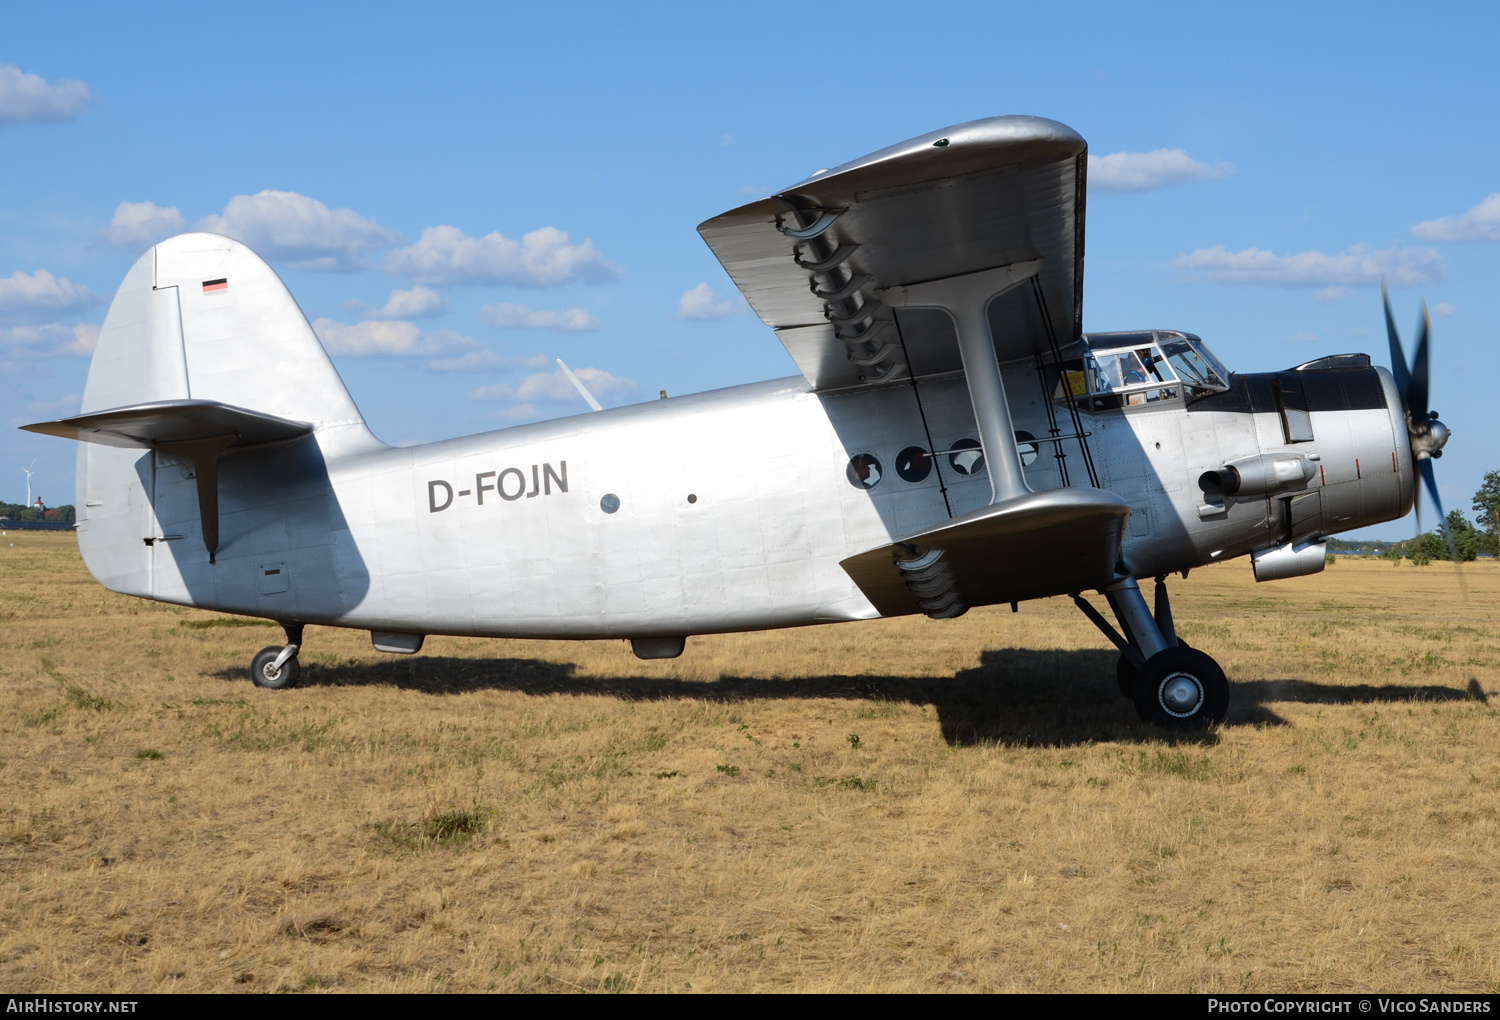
(262, 676)
(1127, 676)
(1182, 690)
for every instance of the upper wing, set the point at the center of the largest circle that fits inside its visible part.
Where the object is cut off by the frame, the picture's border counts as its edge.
(998, 192)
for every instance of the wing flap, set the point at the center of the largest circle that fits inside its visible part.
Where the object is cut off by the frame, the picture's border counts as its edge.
(1048, 543)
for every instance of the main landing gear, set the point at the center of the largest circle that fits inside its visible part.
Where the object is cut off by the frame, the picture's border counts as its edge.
(1176, 687)
(276, 667)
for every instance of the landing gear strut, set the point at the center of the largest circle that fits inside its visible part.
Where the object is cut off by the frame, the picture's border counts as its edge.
(1174, 686)
(276, 667)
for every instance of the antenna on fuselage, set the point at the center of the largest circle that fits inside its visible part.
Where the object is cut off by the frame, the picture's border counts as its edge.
(582, 390)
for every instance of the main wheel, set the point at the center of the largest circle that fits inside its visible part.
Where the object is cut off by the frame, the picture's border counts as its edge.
(1182, 689)
(265, 673)
(1127, 676)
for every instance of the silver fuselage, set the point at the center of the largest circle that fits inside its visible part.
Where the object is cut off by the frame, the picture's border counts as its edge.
(734, 508)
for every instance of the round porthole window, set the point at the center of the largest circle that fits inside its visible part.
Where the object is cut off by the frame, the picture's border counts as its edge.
(967, 457)
(610, 503)
(913, 464)
(1027, 447)
(864, 471)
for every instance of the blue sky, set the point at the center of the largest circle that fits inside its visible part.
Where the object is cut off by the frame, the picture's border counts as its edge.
(460, 194)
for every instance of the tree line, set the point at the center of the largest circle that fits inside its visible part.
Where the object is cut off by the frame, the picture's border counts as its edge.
(20, 512)
(1471, 539)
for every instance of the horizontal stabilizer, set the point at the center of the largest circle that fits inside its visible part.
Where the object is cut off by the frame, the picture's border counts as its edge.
(145, 426)
(1055, 542)
(199, 430)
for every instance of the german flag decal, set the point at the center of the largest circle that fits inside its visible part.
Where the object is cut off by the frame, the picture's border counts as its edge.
(209, 286)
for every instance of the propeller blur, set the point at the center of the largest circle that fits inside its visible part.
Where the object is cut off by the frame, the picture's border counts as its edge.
(1428, 434)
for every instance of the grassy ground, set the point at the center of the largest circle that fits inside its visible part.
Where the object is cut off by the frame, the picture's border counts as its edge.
(898, 805)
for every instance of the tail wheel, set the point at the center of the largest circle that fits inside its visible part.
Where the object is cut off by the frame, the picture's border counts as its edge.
(1181, 689)
(265, 673)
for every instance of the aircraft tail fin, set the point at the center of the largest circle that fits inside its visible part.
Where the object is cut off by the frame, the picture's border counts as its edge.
(203, 350)
(201, 317)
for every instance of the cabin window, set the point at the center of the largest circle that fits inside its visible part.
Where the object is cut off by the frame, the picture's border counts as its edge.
(864, 471)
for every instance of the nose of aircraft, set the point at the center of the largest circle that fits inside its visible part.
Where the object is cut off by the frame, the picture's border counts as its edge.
(1429, 437)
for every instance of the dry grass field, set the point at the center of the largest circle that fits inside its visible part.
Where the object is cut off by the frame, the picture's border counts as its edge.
(898, 805)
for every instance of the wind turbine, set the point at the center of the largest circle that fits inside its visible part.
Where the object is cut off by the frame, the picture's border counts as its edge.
(29, 473)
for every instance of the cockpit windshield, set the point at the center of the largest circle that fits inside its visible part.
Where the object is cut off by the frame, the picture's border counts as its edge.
(1193, 368)
(1123, 370)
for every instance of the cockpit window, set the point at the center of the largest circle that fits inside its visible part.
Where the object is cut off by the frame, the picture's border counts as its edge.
(1195, 367)
(1123, 370)
(1117, 370)
(1118, 378)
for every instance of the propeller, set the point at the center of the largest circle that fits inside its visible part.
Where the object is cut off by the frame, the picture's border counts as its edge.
(1428, 435)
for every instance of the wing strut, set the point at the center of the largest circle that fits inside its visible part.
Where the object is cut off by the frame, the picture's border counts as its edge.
(1083, 443)
(967, 299)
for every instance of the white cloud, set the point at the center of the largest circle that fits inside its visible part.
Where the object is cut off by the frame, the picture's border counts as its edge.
(702, 304)
(85, 339)
(1144, 171)
(1335, 293)
(41, 291)
(142, 224)
(1304, 338)
(1481, 223)
(417, 303)
(542, 258)
(517, 412)
(555, 387)
(569, 320)
(387, 338)
(1443, 309)
(51, 340)
(1360, 265)
(29, 97)
(475, 361)
(300, 229)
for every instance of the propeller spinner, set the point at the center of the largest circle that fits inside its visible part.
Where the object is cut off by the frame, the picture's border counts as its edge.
(1428, 434)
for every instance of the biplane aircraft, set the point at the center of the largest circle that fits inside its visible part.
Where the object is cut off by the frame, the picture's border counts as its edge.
(954, 440)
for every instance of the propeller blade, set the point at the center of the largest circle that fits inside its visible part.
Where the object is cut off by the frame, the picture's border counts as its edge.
(1398, 356)
(1416, 401)
(1425, 466)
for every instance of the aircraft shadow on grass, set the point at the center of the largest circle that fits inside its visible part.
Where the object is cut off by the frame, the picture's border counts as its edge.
(1015, 696)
